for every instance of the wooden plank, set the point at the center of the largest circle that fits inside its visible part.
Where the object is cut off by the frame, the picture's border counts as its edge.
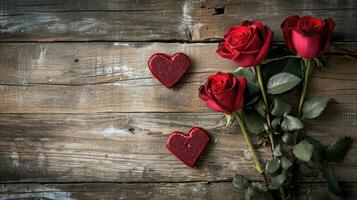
(96, 63)
(185, 20)
(115, 147)
(272, 13)
(131, 147)
(90, 71)
(195, 190)
(59, 20)
(113, 77)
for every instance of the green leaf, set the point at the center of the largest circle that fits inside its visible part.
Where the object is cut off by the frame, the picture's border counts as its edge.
(288, 138)
(333, 185)
(249, 193)
(274, 67)
(273, 165)
(280, 107)
(260, 108)
(337, 151)
(277, 181)
(257, 186)
(319, 149)
(285, 163)
(254, 122)
(291, 123)
(252, 86)
(240, 182)
(318, 146)
(303, 150)
(293, 66)
(277, 151)
(266, 127)
(247, 73)
(251, 100)
(229, 120)
(282, 82)
(313, 107)
(276, 122)
(305, 170)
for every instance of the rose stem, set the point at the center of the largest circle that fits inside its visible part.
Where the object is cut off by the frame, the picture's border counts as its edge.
(275, 59)
(257, 163)
(307, 63)
(258, 73)
(306, 69)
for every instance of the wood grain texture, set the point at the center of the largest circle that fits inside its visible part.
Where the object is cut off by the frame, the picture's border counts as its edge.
(125, 143)
(115, 147)
(131, 147)
(142, 20)
(114, 77)
(97, 63)
(113, 191)
(73, 113)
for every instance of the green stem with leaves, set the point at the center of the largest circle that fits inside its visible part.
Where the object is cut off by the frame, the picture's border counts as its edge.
(258, 73)
(307, 66)
(258, 165)
(239, 116)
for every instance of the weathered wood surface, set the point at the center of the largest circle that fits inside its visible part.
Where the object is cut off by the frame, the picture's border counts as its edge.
(114, 77)
(111, 191)
(129, 148)
(114, 147)
(98, 63)
(82, 81)
(92, 113)
(185, 20)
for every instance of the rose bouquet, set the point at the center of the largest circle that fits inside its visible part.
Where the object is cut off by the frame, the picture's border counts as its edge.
(259, 96)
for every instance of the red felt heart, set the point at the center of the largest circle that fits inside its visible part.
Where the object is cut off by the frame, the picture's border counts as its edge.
(188, 147)
(169, 70)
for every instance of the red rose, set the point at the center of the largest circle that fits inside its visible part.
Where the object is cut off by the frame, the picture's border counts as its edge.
(307, 36)
(223, 92)
(246, 44)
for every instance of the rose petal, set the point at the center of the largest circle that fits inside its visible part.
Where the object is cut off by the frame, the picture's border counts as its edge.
(240, 93)
(232, 81)
(265, 49)
(261, 29)
(307, 46)
(286, 27)
(202, 93)
(255, 44)
(309, 25)
(246, 23)
(240, 38)
(224, 53)
(219, 84)
(246, 59)
(213, 105)
(330, 25)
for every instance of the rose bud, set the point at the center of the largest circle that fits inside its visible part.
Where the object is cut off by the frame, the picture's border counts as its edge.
(223, 92)
(307, 36)
(246, 44)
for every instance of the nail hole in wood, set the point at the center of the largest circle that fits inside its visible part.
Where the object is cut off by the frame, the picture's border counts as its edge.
(218, 10)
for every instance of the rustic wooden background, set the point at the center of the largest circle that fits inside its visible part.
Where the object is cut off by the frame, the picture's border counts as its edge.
(81, 117)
